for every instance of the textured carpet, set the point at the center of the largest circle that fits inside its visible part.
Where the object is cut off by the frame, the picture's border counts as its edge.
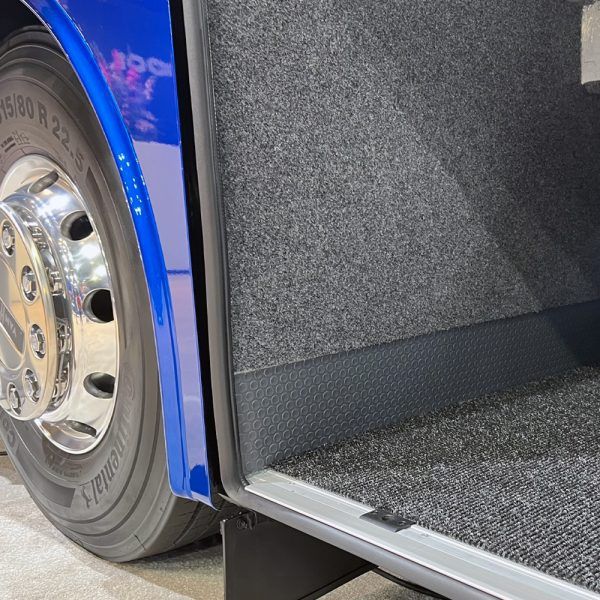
(395, 168)
(516, 474)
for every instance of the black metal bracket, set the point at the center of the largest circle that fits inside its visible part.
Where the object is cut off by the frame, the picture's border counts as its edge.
(387, 519)
(266, 560)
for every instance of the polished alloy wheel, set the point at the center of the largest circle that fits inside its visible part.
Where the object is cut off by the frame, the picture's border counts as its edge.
(58, 332)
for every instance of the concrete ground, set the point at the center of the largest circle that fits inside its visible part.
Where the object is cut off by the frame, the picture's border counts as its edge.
(39, 563)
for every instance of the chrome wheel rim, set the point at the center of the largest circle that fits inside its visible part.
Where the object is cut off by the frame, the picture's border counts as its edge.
(58, 327)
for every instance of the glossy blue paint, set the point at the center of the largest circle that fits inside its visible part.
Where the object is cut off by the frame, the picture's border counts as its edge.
(122, 51)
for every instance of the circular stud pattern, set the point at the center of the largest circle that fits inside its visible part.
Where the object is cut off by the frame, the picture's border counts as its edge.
(58, 334)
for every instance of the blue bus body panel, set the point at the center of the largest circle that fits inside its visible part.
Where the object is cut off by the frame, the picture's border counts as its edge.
(122, 51)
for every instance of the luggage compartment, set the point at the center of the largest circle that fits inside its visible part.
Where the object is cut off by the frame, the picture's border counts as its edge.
(411, 204)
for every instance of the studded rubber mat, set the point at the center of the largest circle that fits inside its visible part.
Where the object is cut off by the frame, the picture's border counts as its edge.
(514, 473)
(294, 408)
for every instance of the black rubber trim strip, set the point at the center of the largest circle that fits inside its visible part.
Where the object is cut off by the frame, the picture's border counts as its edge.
(195, 234)
(215, 287)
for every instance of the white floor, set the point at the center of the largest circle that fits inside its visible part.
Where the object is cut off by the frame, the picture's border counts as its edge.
(39, 563)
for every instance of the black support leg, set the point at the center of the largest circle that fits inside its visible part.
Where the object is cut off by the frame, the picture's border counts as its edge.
(266, 560)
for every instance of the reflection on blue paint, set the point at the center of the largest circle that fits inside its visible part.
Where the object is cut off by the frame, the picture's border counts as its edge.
(122, 51)
(131, 41)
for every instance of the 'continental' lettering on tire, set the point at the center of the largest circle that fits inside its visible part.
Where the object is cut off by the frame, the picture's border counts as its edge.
(97, 487)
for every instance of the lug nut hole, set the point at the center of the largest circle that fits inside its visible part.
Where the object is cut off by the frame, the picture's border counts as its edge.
(101, 385)
(14, 398)
(29, 284)
(43, 183)
(7, 237)
(37, 339)
(31, 385)
(98, 306)
(82, 428)
(77, 226)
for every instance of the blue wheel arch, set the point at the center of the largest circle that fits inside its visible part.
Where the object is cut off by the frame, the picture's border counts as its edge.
(122, 52)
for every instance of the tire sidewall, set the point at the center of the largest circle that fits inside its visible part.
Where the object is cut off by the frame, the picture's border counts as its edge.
(84, 493)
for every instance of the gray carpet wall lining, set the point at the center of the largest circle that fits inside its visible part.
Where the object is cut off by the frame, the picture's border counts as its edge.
(291, 409)
(514, 473)
(391, 169)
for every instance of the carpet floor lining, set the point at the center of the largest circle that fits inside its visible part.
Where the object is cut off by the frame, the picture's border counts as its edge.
(514, 473)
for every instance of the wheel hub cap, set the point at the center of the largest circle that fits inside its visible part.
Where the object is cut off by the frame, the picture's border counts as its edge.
(58, 335)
